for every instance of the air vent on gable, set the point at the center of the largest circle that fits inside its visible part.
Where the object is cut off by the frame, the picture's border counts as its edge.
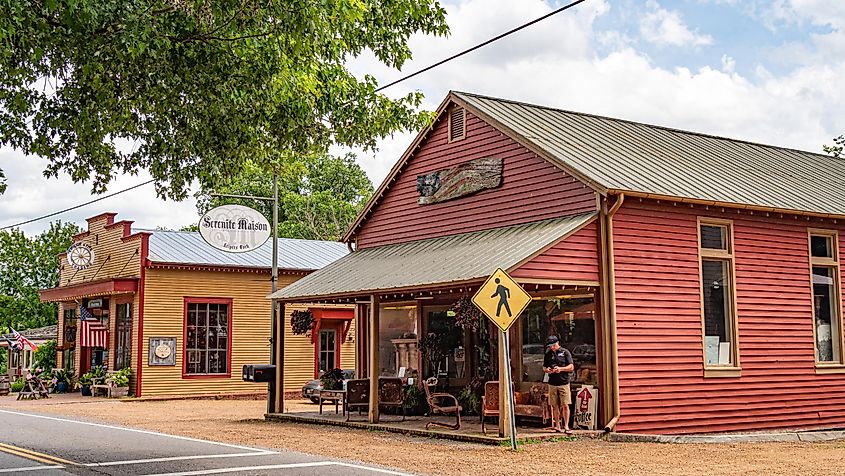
(457, 124)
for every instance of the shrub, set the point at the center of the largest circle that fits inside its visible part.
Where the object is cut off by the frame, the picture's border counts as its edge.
(45, 357)
(121, 378)
(17, 385)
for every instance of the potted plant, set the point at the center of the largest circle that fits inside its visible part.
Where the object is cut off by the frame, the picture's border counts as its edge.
(120, 383)
(332, 379)
(64, 380)
(85, 382)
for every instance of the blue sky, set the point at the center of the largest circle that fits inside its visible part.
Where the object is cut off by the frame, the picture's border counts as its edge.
(761, 70)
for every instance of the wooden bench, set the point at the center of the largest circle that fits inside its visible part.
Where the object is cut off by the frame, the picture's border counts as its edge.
(107, 387)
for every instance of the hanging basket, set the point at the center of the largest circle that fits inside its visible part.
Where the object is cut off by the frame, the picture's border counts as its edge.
(466, 314)
(301, 322)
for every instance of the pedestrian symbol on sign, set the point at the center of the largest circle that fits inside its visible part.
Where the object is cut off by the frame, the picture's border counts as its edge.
(504, 294)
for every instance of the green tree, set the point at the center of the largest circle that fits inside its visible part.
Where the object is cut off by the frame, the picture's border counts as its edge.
(194, 89)
(319, 196)
(45, 357)
(836, 149)
(27, 265)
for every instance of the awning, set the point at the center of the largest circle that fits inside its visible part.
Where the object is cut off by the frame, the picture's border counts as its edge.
(103, 287)
(436, 261)
(342, 316)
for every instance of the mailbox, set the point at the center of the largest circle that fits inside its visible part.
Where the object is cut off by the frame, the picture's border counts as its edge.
(259, 373)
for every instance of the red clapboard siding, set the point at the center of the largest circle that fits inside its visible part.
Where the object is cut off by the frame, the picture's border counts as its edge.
(573, 259)
(662, 388)
(532, 189)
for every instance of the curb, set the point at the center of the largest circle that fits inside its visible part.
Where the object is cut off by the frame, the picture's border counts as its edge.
(779, 437)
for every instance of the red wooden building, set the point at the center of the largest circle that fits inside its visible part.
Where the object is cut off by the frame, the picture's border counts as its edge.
(695, 279)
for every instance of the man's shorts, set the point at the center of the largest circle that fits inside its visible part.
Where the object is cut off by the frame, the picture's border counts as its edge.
(558, 394)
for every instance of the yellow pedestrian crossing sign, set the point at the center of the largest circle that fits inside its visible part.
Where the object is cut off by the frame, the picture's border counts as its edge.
(501, 299)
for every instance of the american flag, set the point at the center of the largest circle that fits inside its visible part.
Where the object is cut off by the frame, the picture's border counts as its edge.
(21, 340)
(92, 333)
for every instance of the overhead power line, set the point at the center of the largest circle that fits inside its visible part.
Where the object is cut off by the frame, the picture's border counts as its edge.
(380, 88)
(76, 206)
(481, 45)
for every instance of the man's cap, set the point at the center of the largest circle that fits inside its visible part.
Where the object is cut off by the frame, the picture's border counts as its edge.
(552, 340)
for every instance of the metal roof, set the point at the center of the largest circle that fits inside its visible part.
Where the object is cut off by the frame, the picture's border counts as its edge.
(36, 333)
(619, 155)
(186, 247)
(434, 261)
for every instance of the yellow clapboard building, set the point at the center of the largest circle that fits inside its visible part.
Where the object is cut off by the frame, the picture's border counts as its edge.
(184, 316)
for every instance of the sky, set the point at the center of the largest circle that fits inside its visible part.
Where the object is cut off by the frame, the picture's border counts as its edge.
(765, 71)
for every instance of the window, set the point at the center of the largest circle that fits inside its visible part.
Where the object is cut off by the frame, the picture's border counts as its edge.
(824, 274)
(457, 124)
(68, 358)
(328, 350)
(721, 347)
(207, 337)
(572, 320)
(123, 336)
(70, 318)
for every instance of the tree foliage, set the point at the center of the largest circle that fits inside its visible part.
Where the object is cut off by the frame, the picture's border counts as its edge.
(194, 89)
(319, 196)
(27, 265)
(836, 149)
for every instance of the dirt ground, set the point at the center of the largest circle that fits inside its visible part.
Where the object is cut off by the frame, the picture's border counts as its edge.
(241, 422)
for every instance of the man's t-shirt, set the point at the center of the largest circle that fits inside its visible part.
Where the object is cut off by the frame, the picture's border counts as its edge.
(559, 358)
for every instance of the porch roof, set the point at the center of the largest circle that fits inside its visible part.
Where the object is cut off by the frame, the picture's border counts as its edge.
(435, 261)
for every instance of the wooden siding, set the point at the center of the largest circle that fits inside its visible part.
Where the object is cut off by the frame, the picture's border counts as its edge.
(165, 290)
(572, 259)
(532, 190)
(299, 351)
(661, 370)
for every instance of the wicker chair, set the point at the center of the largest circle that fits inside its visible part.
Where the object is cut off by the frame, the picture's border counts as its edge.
(435, 401)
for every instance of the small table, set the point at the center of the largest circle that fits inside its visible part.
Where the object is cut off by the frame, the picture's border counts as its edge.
(338, 396)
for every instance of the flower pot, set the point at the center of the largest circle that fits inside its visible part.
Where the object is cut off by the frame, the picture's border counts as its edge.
(61, 387)
(119, 392)
(86, 391)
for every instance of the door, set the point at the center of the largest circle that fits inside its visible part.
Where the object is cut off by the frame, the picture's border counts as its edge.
(327, 353)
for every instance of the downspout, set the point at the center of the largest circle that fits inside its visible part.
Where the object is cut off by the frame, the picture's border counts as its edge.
(611, 296)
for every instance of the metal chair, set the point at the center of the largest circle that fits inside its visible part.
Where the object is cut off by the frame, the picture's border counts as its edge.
(435, 402)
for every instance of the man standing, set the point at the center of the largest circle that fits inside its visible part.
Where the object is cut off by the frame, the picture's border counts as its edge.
(558, 363)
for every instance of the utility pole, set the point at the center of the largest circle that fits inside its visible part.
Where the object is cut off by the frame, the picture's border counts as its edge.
(274, 280)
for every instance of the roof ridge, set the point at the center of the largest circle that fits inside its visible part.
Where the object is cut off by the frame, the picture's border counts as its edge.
(654, 126)
(196, 232)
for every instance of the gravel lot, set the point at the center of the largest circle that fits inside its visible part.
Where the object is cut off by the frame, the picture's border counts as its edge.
(241, 422)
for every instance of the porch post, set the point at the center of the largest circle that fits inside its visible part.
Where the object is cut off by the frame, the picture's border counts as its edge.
(279, 343)
(373, 364)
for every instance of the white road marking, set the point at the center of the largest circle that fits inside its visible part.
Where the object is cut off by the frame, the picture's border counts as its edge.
(134, 430)
(29, 468)
(276, 466)
(179, 458)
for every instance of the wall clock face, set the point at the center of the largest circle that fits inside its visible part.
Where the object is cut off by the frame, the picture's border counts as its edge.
(80, 256)
(162, 351)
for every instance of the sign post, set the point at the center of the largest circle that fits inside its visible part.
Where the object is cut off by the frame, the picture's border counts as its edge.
(502, 300)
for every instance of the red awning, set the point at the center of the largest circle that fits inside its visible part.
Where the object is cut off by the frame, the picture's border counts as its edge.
(103, 287)
(333, 314)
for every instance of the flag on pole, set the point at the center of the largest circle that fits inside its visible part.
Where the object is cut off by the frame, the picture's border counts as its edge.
(22, 341)
(92, 333)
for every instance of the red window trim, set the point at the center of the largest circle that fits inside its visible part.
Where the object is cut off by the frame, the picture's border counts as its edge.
(205, 300)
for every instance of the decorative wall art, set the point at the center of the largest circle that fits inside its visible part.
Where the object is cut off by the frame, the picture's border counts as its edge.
(162, 351)
(460, 180)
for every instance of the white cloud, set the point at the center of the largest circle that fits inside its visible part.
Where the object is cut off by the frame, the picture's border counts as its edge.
(666, 28)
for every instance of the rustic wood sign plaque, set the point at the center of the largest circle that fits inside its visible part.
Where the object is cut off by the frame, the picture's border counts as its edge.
(460, 180)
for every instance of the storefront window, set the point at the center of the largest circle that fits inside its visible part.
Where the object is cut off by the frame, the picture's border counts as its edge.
(123, 336)
(207, 338)
(573, 322)
(68, 357)
(825, 278)
(397, 337)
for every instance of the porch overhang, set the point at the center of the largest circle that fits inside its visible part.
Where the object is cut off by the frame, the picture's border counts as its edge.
(450, 260)
(103, 287)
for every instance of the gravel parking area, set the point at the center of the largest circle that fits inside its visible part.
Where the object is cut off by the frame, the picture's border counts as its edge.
(241, 422)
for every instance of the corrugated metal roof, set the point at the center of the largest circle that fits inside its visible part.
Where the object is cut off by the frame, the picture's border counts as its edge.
(185, 247)
(37, 333)
(627, 156)
(448, 259)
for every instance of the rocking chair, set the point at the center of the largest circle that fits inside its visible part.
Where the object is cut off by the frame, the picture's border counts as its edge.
(436, 407)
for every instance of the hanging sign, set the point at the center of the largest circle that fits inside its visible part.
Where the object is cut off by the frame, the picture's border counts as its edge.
(234, 228)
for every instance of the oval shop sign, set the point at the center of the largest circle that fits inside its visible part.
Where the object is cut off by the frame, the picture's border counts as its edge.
(234, 228)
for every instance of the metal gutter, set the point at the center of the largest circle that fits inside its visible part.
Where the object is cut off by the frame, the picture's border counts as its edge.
(611, 315)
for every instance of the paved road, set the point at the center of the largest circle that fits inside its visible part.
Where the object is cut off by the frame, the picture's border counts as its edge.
(47, 445)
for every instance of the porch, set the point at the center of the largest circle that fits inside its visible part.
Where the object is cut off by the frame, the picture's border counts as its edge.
(303, 411)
